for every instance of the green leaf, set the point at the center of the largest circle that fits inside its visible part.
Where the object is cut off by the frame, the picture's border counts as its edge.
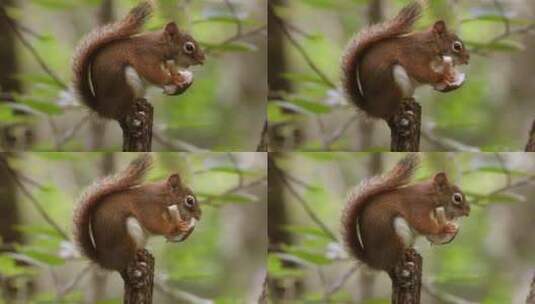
(497, 170)
(230, 169)
(238, 46)
(495, 17)
(39, 230)
(276, 268)
(41, 106)
(8, 116)
(235, 198)
(501, 45)
(304, 106)
(322, 4)
(506, 198)
(306, 255)
(308, 231)
(226, 19)
(56, 4)
(40, 256)
(304, 78)
(9, 267)
(34, 78)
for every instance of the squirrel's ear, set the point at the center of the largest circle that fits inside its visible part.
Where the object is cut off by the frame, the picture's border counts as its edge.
(439, 27)
(171, 29)
(174, 181)
(440, 180)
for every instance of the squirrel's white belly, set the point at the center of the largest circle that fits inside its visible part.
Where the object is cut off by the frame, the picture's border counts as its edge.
(136, 232)
(405, 83)
(135, 82)
(404, 231)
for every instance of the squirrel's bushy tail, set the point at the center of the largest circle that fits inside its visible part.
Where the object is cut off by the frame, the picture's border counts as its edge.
(133, 175)
(357, 46)
(399, 176)
(96, 39)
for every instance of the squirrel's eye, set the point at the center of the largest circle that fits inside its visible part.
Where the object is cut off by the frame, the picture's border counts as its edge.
(457, 198)
(189, 201)
(189, 47)
(457, 46)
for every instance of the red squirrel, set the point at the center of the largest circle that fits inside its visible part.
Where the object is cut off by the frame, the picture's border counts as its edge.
(112, 64)
(382, 218)
(117, 214)
(384, 63)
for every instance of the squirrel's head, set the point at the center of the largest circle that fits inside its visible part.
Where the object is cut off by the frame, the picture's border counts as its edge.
(185, 50)
(182, 208)
(449, 43)
(450, 196)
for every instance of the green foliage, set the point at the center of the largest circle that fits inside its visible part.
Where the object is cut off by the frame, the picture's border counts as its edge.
(465, 115)
(198, 263)
(203, 115)
(469, 267)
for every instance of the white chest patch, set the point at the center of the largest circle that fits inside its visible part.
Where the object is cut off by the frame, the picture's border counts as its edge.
(403, 230)
(135, 82)
(136, 232)
(404, 82)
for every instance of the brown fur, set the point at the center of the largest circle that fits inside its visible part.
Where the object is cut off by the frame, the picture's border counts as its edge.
(105, 53)
(367, 221)
(371, 55)
(105, 206)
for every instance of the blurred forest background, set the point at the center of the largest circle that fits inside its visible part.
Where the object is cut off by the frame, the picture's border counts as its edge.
(39, 112)
(493, 111)
(491, 260)
(223, 261)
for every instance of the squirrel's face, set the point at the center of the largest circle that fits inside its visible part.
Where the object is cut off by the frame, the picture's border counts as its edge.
(451, 197)
(449, 43)
(182, 207)
(185, 50)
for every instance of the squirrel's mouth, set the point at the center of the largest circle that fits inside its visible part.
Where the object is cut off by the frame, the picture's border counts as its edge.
(181, 235)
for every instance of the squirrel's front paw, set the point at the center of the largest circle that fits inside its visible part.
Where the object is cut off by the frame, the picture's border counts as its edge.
(446, 235)
(452, 82)
(179, 83)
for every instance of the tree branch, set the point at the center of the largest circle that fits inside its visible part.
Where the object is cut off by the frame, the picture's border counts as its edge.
(530, 146)
(304, 204)
(13, 174)
(405, 127)
(137, 127)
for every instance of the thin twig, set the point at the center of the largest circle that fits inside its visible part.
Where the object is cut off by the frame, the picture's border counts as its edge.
(32, 50)
(338, 133)
(517, 184)
(442, 296)
(70, 286)
(232, 10)
(69, 134)
(504, 168)
(447, 143)
(32, 199)
(253, 32)
(235, 165)
(208, 201)
(175, 144)
(315, 218)
(300, 49)
(180, 295)
(339, 283)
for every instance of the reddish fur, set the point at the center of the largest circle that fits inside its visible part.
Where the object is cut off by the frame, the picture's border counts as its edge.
(399, 176)
(368, 219)
(401, 24)
(97, 39)
(106, 206)
(132, 176)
